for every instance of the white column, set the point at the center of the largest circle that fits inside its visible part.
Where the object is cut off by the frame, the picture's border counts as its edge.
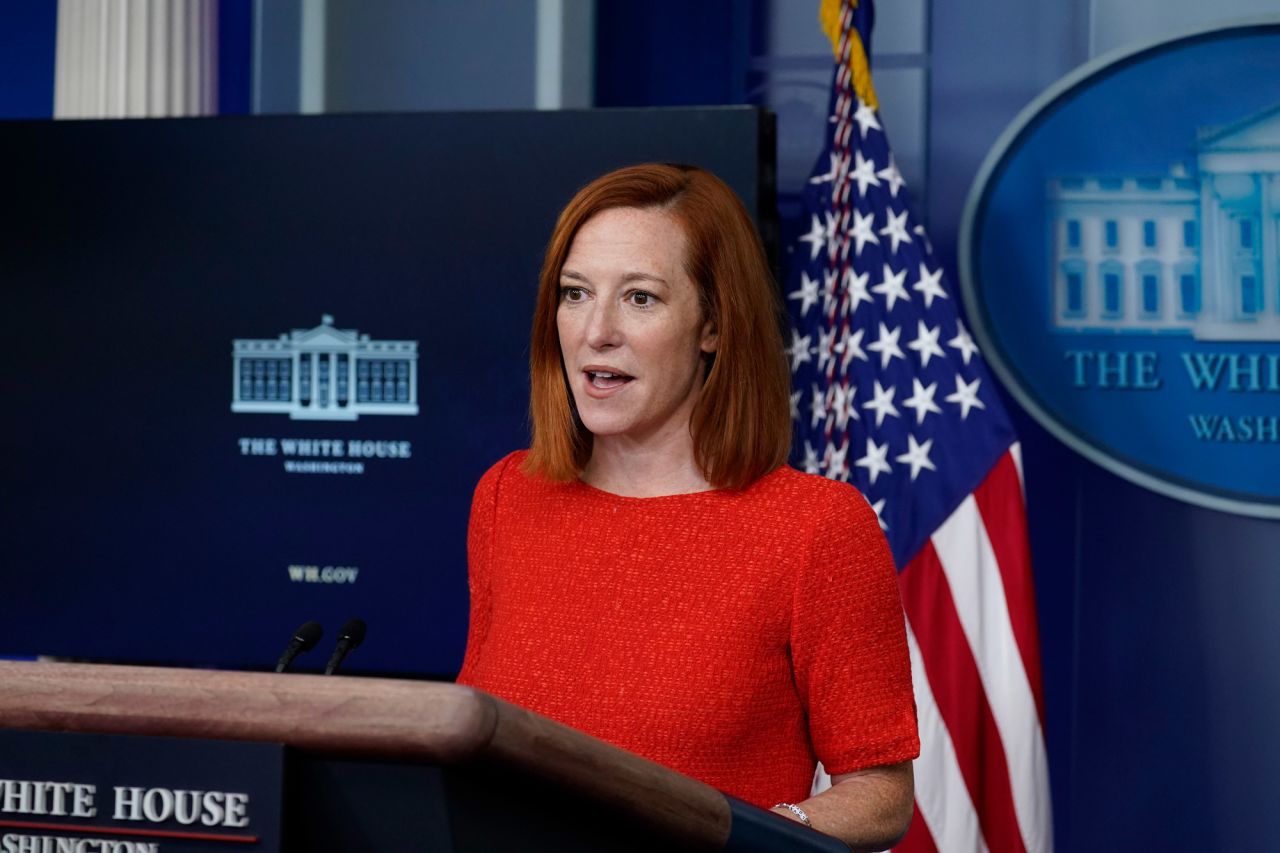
(351, 380)
(326, 400)
(565, 68)
(1213, 268)
(311, 58)
(135, 92)
(315, 364)
(135, 58)
(1269, 281)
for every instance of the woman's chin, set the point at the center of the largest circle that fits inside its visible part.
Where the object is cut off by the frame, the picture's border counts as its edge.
(606, 428)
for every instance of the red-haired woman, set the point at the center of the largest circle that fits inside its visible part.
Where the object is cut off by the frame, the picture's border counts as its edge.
(650, 571)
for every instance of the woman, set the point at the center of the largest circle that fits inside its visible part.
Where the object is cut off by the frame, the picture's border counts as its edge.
(650, 571)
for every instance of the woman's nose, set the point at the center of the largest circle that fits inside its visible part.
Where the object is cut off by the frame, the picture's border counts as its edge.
(603, 330)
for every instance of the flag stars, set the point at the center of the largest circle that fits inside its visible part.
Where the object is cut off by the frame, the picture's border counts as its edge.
(864, 173)
(837, 464)
(896, 230)
(921, 399)
(930, 285)
(876, 461)
(917, 456)
(807, 293)
(843, 408)
(842, 167)
(892, 177)
(850, 347)
(892, 287)
(826, 348)
(818, 407)
(829, 280)
(924, 238)
(841, 193)
(963, 342)
(855, 285)
(862, 232)
(832, 232)
(831, 171)
(799, 352)
(882, 403)
(926, 343)
(811, 463)
(878, 506)
(795, 405)
(886, 345)
(865, 116)
(966, 396)
(844, 244)
(816, 238)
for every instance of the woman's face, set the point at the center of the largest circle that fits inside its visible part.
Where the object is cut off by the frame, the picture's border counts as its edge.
(632, 331)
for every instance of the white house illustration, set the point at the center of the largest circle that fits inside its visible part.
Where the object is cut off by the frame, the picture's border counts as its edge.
(1175, 254)
(324, 374)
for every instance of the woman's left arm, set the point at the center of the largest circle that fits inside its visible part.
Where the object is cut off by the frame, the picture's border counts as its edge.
(868, 810)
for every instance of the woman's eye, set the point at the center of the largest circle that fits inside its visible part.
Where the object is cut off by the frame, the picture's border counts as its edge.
(572, 294)
(641, 299)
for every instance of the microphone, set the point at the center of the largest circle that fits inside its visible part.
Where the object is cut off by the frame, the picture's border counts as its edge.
(351, 635)
(304, 640)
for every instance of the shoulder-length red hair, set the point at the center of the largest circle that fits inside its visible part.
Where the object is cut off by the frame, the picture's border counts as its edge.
(741, 423)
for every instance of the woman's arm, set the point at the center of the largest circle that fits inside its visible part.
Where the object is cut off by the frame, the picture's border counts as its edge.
(868, 810)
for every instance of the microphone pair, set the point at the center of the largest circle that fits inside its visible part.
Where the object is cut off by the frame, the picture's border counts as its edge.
(309, 634)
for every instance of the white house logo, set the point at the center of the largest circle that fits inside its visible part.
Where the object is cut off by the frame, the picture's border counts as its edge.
(324, 374)
(1120, 260)
(1142, 254)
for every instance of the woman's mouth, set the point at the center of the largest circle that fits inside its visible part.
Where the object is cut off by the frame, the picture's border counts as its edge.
(606, 380)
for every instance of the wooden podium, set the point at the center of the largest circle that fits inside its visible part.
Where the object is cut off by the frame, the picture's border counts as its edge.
(388, 765)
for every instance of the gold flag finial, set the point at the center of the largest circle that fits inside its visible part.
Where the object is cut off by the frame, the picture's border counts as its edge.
(831, 17)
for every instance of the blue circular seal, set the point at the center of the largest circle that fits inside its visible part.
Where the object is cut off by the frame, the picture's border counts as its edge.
(1120, 263)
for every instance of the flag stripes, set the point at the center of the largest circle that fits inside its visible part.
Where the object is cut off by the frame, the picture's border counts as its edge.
(977, 586)
(1000, 497)
(951, 673)
(942, 797)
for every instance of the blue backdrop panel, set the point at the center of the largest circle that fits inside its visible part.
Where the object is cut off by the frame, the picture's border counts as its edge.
(28, 33)
(146, 520)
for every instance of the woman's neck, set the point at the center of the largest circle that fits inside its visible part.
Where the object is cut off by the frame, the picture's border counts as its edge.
(621, 466)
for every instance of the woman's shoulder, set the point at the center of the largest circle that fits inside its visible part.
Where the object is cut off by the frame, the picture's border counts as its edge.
(501, 472)
(813, 497)
(508, 476)
(810, 488)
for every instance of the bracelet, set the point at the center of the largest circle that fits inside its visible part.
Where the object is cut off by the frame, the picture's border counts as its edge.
(797, 811)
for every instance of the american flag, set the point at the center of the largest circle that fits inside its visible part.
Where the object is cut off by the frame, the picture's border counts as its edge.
(891, 394)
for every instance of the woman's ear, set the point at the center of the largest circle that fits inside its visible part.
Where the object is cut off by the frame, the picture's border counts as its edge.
(709, 336)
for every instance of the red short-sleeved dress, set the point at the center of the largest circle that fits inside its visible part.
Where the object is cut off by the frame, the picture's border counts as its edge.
(735, 636)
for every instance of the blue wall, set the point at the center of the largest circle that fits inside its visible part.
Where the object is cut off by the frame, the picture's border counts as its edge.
(409, 55)
(28, 32)
(235, 57)
(674, 53)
